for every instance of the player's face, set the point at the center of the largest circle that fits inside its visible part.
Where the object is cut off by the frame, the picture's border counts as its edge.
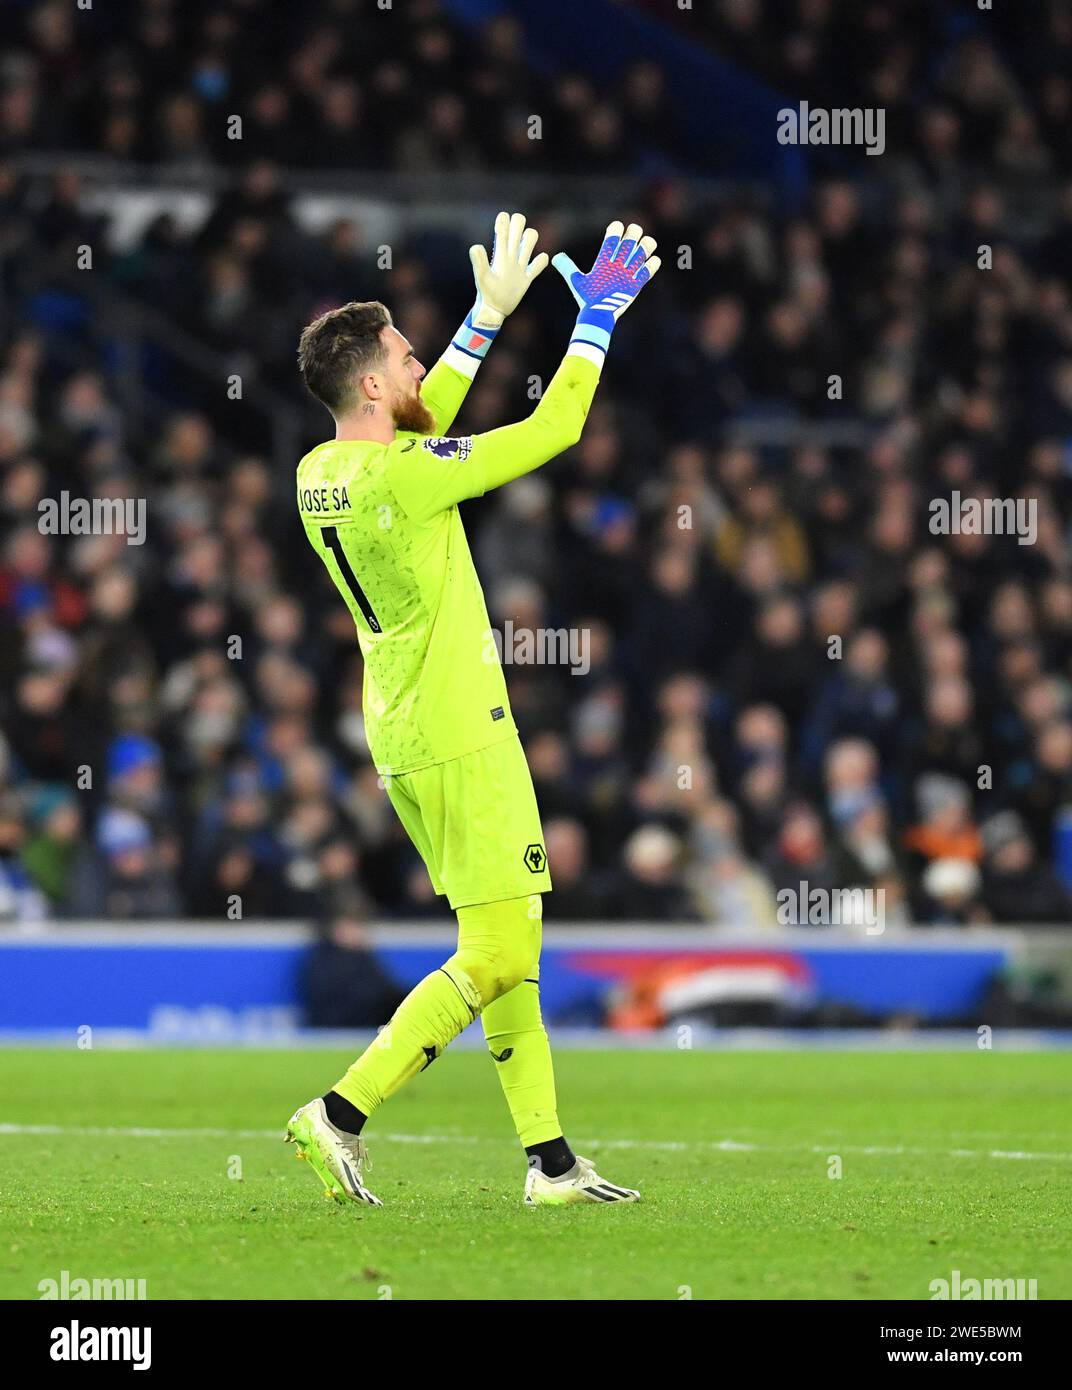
(404, 374)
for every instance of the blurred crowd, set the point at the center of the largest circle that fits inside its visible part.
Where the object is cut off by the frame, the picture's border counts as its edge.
(329, 84)
(964, 88)
(792, 678)
(344, 84)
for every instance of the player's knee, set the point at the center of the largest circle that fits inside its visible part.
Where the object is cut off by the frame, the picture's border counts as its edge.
(500, 964)
(498, 972)
(500, 969)
(518, 966)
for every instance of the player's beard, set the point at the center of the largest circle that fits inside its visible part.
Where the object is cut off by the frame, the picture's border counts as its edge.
(410, 413)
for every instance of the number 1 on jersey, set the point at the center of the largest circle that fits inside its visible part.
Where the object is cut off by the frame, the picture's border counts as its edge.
(331, 540)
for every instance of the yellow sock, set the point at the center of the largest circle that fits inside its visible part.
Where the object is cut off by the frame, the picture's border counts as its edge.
(498, 946)
(519, 1046)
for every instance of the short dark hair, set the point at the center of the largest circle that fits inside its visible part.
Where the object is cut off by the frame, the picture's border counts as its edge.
(341, 346)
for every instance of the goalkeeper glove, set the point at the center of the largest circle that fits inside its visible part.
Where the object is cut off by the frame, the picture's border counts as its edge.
(624, 265)
(500, 285)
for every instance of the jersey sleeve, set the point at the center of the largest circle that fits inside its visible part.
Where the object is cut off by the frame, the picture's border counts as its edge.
(445, 387)
(429, 474)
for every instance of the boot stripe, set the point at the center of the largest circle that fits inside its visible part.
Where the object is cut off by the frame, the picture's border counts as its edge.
(619, 1191)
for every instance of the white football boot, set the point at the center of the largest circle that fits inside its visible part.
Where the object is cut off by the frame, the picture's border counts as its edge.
(581, 1184)
(338, 1159)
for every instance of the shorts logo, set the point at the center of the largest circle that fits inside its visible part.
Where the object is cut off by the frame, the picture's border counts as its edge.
(535, 858)
(444, 448)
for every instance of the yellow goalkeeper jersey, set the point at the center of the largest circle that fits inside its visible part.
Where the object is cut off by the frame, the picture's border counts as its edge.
(384, 519)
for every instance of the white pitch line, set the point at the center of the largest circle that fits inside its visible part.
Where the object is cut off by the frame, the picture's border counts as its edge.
(662, 1146)
(140, 1132)
(148, 1132)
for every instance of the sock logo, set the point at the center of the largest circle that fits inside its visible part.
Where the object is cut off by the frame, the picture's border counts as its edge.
(504, 1055)
(536, 858)
(431, 1054)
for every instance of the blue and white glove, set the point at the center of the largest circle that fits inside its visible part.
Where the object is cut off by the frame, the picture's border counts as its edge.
(500, 285)
(622, 268)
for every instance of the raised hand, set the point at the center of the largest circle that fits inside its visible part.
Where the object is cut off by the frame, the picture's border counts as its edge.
(501, 285)
(623, 267)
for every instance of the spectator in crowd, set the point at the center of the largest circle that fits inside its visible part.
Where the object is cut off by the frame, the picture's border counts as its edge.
(344, 984)
(1018, 887)
(946, 829)
(801, 855)
(133, 879)
(651, 888)
(727, 889)
(21, 900)
(578, 894)
(54, 843)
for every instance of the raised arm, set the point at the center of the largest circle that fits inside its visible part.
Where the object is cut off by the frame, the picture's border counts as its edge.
(431, 474)
(500, 288)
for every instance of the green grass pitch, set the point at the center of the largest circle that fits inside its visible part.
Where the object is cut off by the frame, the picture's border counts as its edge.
(948, 1161)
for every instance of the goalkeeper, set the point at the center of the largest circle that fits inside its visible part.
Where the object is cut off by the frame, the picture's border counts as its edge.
(379, 504)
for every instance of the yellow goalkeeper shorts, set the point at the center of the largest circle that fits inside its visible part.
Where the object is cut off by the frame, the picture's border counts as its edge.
(476, 825)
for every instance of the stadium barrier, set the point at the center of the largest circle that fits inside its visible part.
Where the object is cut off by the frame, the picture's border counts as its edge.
(195, 981)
